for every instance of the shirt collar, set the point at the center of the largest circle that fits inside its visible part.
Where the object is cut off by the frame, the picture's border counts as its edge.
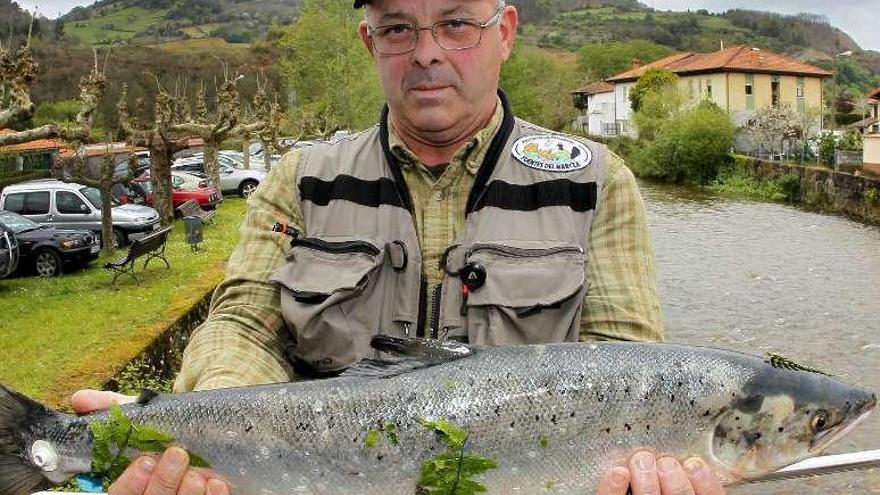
(471, 154)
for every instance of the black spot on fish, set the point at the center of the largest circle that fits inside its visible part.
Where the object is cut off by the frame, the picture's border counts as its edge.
(680, 384)
(553, 419)
(571, 415)
(781, 429)
(721, 432)
(512, 423)
(537, 418)
(707, 413)
(671, 397)
(626, 390)
(379, 457)
(648, 427)
(736, 418)
(248, 428)
(497, 410)
(607, 430)
(692, 402)
(627, 426)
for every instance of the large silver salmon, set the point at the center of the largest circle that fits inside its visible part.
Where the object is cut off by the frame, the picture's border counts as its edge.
(538, 419)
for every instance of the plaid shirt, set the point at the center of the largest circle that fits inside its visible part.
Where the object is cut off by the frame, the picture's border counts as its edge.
(244, 338)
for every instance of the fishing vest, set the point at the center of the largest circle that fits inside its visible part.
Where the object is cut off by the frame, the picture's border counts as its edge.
(517, 273)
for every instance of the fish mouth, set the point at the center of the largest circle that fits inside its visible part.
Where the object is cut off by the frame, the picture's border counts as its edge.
(826, 439)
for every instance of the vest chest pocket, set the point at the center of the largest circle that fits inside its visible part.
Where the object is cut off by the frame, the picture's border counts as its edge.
(326, 290)
(530, 294)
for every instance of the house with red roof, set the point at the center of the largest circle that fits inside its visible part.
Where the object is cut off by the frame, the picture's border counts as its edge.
(33, 157)
(871, 136)
(738, 79)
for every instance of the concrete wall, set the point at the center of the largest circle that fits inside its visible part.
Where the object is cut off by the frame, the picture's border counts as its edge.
(871, 147)
(823, 188)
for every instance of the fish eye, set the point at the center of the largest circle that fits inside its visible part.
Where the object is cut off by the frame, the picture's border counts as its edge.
(819, 421)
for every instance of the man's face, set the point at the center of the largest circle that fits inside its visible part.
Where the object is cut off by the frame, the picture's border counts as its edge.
(431, 90)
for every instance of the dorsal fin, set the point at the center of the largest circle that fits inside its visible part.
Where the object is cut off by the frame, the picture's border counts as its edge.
(413, 353)
(436, 351)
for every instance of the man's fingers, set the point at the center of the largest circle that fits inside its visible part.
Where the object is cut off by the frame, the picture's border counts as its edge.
(169, 473)
(134, 480)
(193, 484)
(702, 478)
(643, 469)
(673, 479)
(217, 487)
(615, 482)
(86, 401)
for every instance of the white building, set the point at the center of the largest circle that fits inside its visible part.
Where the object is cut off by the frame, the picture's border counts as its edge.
(596, 103)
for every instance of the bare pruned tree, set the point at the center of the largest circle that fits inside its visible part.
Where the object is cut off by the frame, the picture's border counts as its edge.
(162, 141)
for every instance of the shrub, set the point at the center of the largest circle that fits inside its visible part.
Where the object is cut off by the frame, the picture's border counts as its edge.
(690, 148)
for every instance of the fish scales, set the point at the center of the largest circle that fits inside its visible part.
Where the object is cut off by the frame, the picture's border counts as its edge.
(553, 417)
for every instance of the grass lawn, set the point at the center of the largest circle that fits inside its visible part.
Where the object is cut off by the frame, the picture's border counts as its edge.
(61, 334)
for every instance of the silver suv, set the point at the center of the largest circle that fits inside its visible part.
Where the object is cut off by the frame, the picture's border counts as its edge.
(69, 205)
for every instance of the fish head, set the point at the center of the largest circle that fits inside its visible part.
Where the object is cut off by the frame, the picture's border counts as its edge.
(781, 417)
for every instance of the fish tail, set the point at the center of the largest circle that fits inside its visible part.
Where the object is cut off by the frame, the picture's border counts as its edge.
(18, 415)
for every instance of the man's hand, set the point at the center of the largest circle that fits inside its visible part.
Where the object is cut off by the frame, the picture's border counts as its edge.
(649, 475)
(167, 475)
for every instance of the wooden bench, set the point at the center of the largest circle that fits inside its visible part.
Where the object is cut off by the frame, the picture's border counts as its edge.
(152, 246)
(192, 209)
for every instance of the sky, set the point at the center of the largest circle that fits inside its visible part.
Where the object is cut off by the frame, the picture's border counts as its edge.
(858, 18)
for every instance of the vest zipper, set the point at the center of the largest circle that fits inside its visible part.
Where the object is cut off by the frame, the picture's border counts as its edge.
(423, 307)
(435, 311)
(337, 246)
(523, 252)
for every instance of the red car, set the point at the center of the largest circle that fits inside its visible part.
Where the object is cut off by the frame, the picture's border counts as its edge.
(206, 197)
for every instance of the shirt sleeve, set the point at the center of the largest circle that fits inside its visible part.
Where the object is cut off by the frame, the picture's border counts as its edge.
(622, 302)
(244, 340)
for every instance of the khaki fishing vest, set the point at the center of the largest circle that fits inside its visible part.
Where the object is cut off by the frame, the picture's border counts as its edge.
(517, 273)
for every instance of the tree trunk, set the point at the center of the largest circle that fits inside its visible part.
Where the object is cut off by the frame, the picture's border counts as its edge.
(108, 237)
(160, 179)
(246, 153)
(212, 168)
(267, 155)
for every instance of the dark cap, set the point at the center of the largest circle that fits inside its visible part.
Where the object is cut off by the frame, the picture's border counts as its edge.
(360, 3)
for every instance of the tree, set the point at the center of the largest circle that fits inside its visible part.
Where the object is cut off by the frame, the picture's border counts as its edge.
(326, 64)
(162, 142)
(536, 84)
(601, 60)
(690, 148)
(771, 125)
(652, 81)
(655, 109)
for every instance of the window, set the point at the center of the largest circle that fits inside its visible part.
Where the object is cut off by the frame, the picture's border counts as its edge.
(67, 202)
(176, 180)
(774, 91)
(709, 89)
(750, 91)
(32, 203)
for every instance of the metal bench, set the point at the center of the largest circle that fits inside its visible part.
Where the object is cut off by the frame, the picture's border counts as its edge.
(151, 246)
(192, 209)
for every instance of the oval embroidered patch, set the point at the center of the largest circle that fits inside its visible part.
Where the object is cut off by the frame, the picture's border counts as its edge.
(552, 153)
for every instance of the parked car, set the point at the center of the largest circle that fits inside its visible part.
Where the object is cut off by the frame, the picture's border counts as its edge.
(8, 252)
(70, 205)
(207, 197)
(47, 249)
(232, 180)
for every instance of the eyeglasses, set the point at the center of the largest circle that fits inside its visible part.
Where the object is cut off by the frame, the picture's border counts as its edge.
(450, 34)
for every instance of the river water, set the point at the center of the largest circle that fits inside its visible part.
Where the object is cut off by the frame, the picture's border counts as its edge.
(758, 277)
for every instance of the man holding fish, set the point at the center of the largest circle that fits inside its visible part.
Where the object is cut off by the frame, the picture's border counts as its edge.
(452, 220)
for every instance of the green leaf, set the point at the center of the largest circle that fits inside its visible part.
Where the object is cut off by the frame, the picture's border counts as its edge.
(372, 439)
(197, 461)
(453, 435)
(391, 432)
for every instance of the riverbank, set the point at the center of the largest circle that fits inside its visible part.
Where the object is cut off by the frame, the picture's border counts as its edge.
(67, 333)
(814, 187)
